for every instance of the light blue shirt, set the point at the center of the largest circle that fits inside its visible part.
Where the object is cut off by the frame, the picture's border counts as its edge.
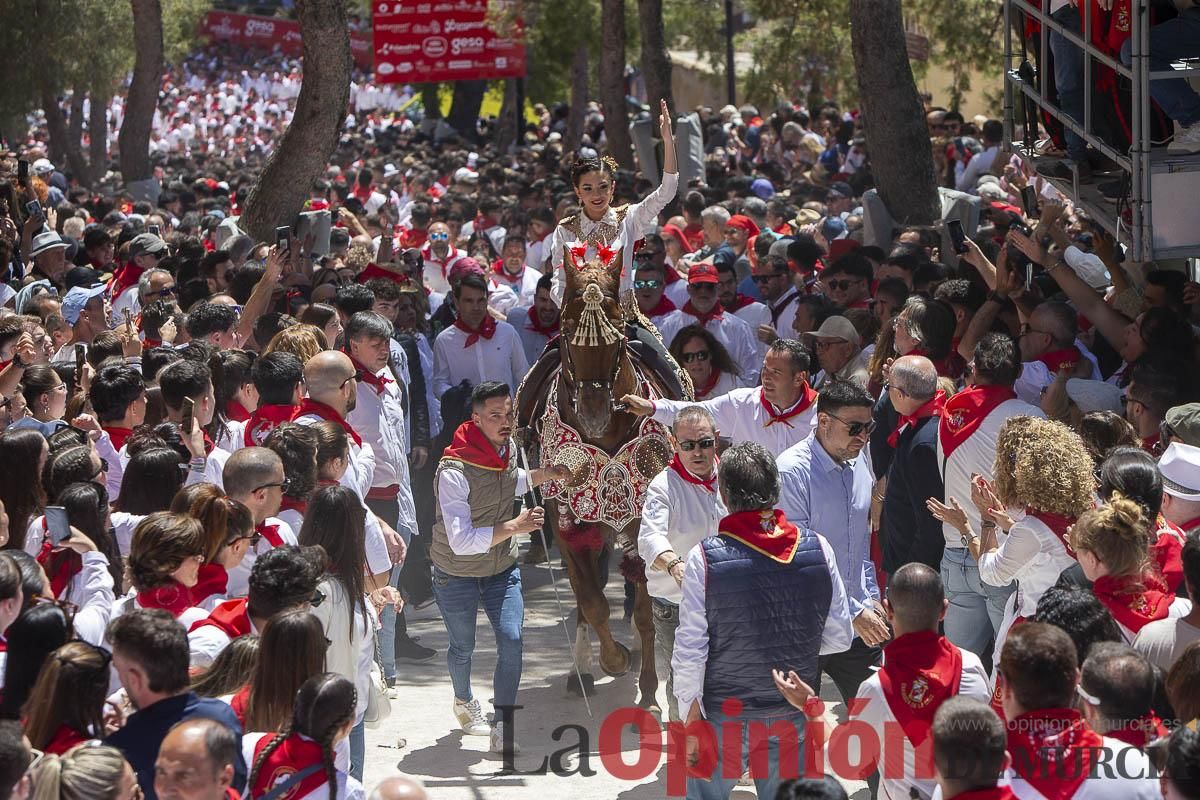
(835, 501)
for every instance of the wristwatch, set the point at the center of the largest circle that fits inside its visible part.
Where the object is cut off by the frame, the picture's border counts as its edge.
(997, 297)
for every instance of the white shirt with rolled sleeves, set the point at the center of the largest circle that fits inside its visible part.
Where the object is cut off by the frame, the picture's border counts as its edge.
(238, 584)
(640, 219)
(501, 358)
(92, 593)
(379, 419)
(740, 416)
(677, 515)
(454, 495)
(1036, 376)
(735, 335)
(755, 314)
(899, 770)
(691, 638)
(358, 476)
(206, 643)
(976, 455)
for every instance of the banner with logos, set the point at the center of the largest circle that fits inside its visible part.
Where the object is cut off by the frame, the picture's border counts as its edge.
(272, 33)
(418, 41)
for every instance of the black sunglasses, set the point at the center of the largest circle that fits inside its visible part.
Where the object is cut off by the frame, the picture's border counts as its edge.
(855, 428)
(690, 445)
(841, 286)
(699, 355)
(283, 485)
(767, 278)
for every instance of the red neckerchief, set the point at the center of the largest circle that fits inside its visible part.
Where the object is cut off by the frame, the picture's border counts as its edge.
(377, 382)
(694, 233)
(501, 272)
(1134, 600)
(766, 532)
(413, 238)
(61, 564)
(1057, 746)
(150, 344)
(951, 366)
(123, 278)
(1057, 523)
(310, 406)
(671, 273)
(373, 270)
(270, 532)
(174, 597)
(713, 378)
(992, 793)
(236, 411)
(486, 329)
(1057, 359)
(535, 325)
(664, 306)
(740, 301)
(1166, 551)
(807, 398)
(920, 671)
(931, 409)
(1149, 443)
(230, 617)
(118, 436)
(212, 581)
(264, 420)
(209, 444)
(292, 504)
(716, 312)
(64, 739)
(470, 446)
(444, 264)
(1140, 732)
(240, 703)
(965, 411)
(296, 754)
(708, 483)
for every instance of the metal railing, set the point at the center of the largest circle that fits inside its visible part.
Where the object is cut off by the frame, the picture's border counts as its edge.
(1135, 162)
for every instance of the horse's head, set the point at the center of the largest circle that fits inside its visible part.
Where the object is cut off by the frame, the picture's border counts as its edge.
(593, 338)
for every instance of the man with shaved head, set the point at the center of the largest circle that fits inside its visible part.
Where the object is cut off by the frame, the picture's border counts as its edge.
(195, 761)
(254, 477)
(332, 382)
(398, 787)
(911, 532)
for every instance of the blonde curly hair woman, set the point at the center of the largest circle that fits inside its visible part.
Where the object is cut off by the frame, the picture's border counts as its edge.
(1044, 481)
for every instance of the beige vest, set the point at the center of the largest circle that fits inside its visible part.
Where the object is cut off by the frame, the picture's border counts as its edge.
(492, 496)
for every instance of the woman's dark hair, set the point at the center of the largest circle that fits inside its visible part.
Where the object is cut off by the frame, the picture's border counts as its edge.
(1077, 611)
(582, 166)
(332, 442)
(1167, 335)
(33, 577)
(152, 478)
(336, 520)
(65, 467)
(39, 631)
(292, 650)
(933, 323)
(231, 371)
(718, 355)
(231, 669)
(37, 380)
(1103, 432)
(87, 509)
(224, 519)
(161, 543)
(296, 446)
(1134, 473)
(324, 705)
(70, 691)
(319, 315)
(65, 437)
(21, 490)
(1183, 761)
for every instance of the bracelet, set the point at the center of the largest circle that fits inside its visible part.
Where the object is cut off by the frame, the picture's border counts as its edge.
(671, 565)
(987, 523)
(997, 297)
(17, 362)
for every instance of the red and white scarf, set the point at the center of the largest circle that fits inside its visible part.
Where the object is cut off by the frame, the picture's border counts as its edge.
(931, 409)
(470, 446)
(212, 581)
(486, 330)
(807, 397)
(1057, 747)
(1134, 600)
(296, 754)
(709, 483)
(920, 671)
(377, 382)
(173, 597)
(765, 532)
(535, 325)
(703, 318)
(664, 306)
(230, 617)
(264, 420)
(965, 412)
(1066, 358)
(327, 413)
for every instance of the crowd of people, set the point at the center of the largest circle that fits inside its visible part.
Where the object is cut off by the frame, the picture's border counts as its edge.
(965, 486)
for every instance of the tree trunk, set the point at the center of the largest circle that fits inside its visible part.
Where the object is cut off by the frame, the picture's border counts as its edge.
(509, 124)
(612, 81)
(464, 108)
(97, 138)
(579, 99)
(656, 63)
(897, 135)
(307, 144)
(134, 139)
(75, 125)
(61, 150)
(431, 101)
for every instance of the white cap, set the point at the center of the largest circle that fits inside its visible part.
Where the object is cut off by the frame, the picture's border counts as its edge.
(464, 175)
(1180, 468)
(1091, 395)
(1088, 267)
(837, 327)
(42, 166)
(389, 170)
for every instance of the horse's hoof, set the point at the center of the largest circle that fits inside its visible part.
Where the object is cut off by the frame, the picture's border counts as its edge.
(624, 661)
(576, 690)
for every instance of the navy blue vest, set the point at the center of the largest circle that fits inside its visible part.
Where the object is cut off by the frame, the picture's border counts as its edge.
(762, 615)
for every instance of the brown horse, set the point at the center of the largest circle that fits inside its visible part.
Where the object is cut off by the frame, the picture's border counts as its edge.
(611, 454)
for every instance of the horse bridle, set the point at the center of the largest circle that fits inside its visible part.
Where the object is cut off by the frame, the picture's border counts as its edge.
(598, 384)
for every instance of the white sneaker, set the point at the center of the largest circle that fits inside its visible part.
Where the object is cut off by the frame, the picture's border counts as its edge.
(470, 717)
(745, 780)
(1187, 140)
(497, 743)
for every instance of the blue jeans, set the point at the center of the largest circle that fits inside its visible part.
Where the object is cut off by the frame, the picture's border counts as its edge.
(1174, 39)
(976, 609)
(1068, 78)
(387, 619)
(459, 600)
(358, 749)
(721, 785)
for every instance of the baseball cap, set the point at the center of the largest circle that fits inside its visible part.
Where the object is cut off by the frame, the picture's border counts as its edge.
(146, 243)
(45, 242)
(80, 276)
(840, 189)
(702, 272)
(1184, 422)
(42, 166)
(1180, 468)
(77, 298)
(1091, 395)
(833, 228)
(837, 327)
(1088, 267)
(465, 175)
(762, 189)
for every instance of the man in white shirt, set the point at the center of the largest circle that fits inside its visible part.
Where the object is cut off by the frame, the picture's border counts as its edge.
(191, 380)
(510, 282)
(439, 256)
(682, 507)
(476, 348)
(703, 309)
(539, 323)
(649, 289)
(254, 476)
(761, 595)
(777, 415)
(744, 307)
(1049, 344)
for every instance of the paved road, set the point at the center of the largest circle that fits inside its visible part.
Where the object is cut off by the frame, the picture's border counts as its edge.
(457, 767)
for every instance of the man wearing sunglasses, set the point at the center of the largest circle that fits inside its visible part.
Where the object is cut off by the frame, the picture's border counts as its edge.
(254, 477)
(145, 252)
(705, 310)
(439, 256)
(825, 485)
(847, 281)
(649, 289)
(773, 278)
(682, 507)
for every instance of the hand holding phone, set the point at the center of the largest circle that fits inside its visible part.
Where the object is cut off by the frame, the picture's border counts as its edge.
(154, 229)
(185, 424)
(80, 354)
(1029, 202)
(282, 237)
(958, 238)
(58, 527)
(33, 209)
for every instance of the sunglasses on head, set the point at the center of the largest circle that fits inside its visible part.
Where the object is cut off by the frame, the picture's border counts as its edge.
(691, 444)
(699, 355)
(647, 284)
